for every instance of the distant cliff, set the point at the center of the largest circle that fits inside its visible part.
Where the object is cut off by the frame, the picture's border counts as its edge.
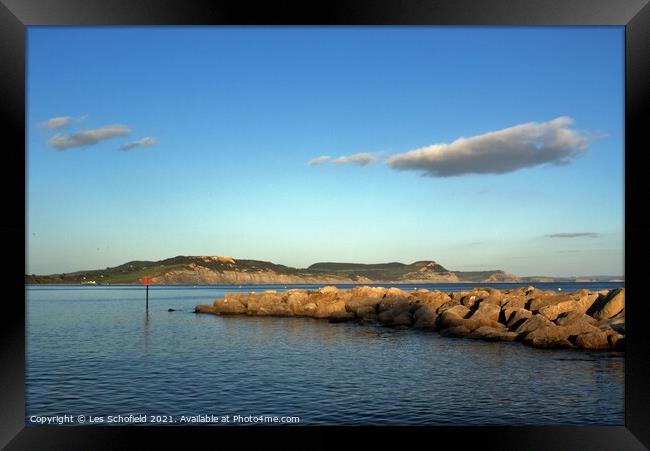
(227, 270)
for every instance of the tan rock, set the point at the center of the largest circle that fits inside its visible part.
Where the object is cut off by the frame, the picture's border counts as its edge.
(328, 308)
(296, 300)
(475, 323)
(544, 300)
(548, 336)
(489, 312)
(204, 309)
(433, 299)
(516, 317)
(492, 334)
(367, 313)
(592, 340)
(513, 301)
(229, 306)
(459, 310)
(403, 319)
(534, 322)
(469, 300)
(328, 290)
(568, 318)
(397, 294)
(458, 295)
(362, 302)
(425, 317)
(368, 292)
(449, 319)
(608, 306)
(553, 311)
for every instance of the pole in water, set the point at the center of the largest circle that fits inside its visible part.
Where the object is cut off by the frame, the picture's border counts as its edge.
(147, 281)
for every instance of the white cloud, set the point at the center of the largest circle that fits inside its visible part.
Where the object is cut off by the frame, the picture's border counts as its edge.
(320, 160)
(497, 152)
(144, 142)
(361, 159)
(56, 122)
(88, 137)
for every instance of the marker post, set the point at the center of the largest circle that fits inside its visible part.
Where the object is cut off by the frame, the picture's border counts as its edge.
(147, 281)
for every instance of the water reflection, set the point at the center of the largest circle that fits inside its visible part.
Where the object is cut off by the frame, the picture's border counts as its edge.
(147, 317)
(326, 373)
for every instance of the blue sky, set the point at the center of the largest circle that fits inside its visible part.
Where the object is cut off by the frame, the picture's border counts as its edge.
(146, 143)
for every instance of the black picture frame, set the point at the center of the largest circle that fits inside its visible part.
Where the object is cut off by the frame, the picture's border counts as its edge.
(16, 15)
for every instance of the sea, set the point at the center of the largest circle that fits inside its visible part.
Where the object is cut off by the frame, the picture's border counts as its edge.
(96, 356)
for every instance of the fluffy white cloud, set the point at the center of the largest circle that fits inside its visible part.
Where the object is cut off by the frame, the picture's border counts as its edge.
(320, 160)
(56, 122)
(361, 159)
(144, 142)
(88, 137)
(497, 152)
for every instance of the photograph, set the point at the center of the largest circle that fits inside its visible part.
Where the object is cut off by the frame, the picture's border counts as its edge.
(325, 226)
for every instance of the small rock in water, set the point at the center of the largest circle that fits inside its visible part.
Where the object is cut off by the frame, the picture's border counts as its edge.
(171, 310)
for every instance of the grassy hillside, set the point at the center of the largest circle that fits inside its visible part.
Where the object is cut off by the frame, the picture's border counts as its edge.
(133, 271)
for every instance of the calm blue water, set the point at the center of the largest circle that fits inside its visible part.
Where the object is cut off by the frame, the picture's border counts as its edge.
(94, 351)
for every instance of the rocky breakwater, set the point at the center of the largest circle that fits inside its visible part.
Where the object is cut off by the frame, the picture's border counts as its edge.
(542, 319)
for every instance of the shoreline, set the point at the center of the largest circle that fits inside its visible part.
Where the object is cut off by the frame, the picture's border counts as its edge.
(359, 284)
(543, 319)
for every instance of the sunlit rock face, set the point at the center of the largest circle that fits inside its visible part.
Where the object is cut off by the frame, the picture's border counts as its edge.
(537, 318)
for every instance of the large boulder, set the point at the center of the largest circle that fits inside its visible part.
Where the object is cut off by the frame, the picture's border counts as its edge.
(455, 308)
(204, 309)
(296, 301)
(549, 336)
(398, 316)
(396, 294)
(593, 340)
(486, 311)
(534, 322)
(553, 311)
(568, 318)
(552, 306)
(472, 297)
(616, 322)
(326, 308)
(425, 317)
(268, 303)
(328, 290)
(544, 300)
(492, 334)
(458, 295)
(229, 306)
(434, 299)
(515, 317)
(449, 319)
(515, 300)
(608, 306)
(368, 292)
(367, 313)
(361, 302)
